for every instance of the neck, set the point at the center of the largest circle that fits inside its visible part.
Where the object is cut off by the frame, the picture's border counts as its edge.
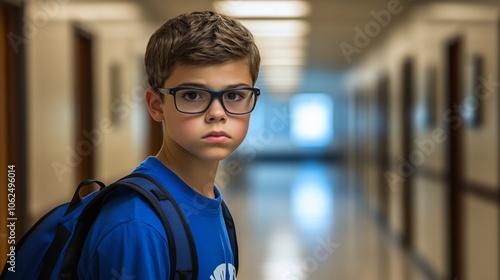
(196, 173)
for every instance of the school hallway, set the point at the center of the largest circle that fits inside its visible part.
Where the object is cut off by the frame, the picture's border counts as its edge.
(373, 151)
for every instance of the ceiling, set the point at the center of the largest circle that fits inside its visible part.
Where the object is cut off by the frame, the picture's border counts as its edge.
(330, 43)
(331, 23)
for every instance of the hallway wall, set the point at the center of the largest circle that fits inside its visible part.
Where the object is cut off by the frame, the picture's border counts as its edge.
(423, 219)
(119, 132)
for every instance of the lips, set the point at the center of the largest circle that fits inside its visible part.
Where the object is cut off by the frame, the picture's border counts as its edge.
(217, 137)
(216, 134)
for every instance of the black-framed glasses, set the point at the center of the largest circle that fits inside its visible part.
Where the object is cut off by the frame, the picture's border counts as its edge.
(189, 100)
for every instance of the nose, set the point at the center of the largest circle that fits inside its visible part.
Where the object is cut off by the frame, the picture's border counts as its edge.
(216, 111)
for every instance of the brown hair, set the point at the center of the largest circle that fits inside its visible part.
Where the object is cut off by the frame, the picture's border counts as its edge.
(198, 38)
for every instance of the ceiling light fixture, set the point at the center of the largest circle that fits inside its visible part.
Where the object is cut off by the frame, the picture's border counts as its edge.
(295, 28)
(263, 9)
(103, 11)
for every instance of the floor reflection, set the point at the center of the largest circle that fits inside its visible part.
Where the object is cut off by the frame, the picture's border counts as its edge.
(299, 220)
(312, 198)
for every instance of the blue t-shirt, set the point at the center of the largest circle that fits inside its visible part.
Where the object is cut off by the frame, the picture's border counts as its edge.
(128, 240)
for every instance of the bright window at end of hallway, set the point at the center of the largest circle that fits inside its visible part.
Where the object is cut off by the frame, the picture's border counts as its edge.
(311, 119)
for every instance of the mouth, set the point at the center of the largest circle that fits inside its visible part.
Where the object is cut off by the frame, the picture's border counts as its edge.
(217, 137)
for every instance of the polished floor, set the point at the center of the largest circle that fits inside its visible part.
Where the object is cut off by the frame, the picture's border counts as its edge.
(303, 220)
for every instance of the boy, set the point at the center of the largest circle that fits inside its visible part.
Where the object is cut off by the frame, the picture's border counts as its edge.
(201, 67)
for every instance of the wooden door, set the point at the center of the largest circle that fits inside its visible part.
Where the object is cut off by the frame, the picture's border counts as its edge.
(84, 106)
(13, 148)
(454, 159)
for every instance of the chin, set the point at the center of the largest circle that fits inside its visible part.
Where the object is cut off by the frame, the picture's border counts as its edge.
(215, 155)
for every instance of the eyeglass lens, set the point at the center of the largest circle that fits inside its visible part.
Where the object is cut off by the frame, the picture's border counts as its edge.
(195, 101)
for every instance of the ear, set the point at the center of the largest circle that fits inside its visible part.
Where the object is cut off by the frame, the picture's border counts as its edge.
(154, 104)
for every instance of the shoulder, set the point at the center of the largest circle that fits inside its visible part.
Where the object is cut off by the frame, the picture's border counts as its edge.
(125, 207)
(127, 235)
(132, 249)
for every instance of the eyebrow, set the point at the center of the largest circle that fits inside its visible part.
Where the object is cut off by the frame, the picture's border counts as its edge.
(197, 85)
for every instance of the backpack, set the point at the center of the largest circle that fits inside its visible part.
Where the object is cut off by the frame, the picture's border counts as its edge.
(51, 248)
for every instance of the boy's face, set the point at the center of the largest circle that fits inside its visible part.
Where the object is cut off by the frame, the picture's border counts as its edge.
(213, 134)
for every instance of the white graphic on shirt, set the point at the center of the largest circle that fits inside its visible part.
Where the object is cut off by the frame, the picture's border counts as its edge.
(121, 276)
(220, 272)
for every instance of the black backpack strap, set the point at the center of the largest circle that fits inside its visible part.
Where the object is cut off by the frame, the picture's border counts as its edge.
(231, 231)
(184, 262)
(77, 200)
(184, 256)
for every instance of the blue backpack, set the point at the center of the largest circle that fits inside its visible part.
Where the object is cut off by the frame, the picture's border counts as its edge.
(51, 248)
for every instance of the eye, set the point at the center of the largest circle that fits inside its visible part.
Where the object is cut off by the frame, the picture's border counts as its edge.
(192, 95)
(236, 95)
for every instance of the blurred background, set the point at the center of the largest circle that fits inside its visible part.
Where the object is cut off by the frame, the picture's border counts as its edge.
(373, 152)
